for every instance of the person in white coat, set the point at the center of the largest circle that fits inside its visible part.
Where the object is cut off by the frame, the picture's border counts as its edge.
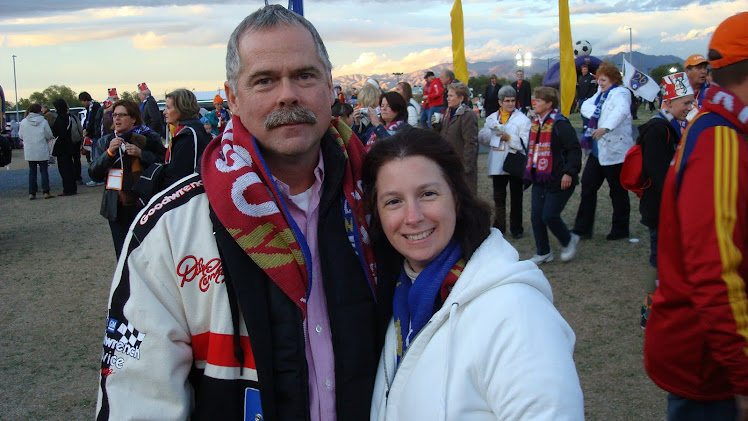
(474, 334)
(35, 133)
(608, 138)
(506, 132)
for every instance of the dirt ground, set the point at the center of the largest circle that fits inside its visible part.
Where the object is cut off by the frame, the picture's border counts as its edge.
(57, 259)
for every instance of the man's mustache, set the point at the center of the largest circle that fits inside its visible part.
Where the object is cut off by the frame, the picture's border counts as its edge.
(290, 115)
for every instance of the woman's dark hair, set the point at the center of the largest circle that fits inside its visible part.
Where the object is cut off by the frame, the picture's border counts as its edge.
(133, 110)
(34, 108)
(61, 107)
(407, 90)
(473, 222)
(341, 109)
(397, 104)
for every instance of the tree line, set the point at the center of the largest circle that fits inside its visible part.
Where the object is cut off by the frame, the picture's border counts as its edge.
(54, 92)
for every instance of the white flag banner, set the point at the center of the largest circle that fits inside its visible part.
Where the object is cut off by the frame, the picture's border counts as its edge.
(642, 85)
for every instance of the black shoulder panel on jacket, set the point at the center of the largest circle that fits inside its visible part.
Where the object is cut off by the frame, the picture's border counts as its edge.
(171, 198)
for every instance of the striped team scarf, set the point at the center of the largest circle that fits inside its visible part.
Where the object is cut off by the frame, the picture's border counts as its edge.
(587, 141)
(243, 194)
(539, 154)
(413, 303)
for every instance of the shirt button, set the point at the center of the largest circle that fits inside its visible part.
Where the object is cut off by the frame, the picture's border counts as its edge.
(328, 383)
(318, 329)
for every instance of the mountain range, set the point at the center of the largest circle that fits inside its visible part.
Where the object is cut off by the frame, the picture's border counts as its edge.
(504, 68)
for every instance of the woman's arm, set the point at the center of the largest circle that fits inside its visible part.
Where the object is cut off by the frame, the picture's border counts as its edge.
(616, 110)
(469, 127)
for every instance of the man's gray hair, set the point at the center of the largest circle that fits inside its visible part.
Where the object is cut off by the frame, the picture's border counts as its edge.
(450, 74)
(146, 92)
(507, 91)
(268, 17)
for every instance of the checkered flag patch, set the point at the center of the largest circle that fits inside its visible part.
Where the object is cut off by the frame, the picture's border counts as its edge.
(130, 335)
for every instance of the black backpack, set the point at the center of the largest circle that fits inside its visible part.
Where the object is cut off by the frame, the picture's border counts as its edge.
(6, 151)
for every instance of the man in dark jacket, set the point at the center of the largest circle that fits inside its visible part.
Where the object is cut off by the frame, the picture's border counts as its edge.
(524, 92)
(586, 88)
(150, 112)
(285, 319)
(491, 97)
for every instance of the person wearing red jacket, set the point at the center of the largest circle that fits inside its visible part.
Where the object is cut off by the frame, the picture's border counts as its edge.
(435, 94)
(696, 341)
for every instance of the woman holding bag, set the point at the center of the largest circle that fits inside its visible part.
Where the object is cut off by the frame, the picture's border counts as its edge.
(506, 132)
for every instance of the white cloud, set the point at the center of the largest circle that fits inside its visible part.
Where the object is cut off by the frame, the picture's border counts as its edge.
(690, 35)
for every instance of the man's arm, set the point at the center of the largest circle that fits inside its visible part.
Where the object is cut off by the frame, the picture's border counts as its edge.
(146, 354)
(712, 207)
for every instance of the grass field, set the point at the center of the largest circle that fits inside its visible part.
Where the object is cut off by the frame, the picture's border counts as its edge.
(57, 260)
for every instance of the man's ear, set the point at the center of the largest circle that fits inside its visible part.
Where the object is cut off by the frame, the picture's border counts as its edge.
(231, 98)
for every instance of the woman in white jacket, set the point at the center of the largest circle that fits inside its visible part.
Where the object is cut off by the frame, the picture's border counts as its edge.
(414, 108)
(506, 131)
(608, 138)
(474, 334)
(35, 132)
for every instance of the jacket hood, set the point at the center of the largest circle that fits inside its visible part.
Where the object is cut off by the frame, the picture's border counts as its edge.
(35, 119)
(496, 263)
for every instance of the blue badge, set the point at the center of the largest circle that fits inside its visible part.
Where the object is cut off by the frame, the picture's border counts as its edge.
(638, 79)
(252, 405)
(111, 325)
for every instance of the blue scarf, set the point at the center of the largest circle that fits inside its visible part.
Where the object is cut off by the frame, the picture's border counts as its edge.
(413, 303)
(672, 120)
(587, 141)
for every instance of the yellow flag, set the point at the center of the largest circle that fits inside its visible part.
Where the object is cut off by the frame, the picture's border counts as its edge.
(568, 69)
(458, 43)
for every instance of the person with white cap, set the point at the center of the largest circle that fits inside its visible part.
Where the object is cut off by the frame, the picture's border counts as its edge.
(659, 138)
(149, 110)
(697, 332)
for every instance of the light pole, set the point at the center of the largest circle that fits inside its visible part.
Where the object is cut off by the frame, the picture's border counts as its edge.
(15, 85)
(549, 59)
(523, 60)
(631, 45)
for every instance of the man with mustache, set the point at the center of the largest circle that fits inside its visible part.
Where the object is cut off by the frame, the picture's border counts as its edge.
(250, 292)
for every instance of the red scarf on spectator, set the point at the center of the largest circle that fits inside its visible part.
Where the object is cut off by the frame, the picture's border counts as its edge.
(539, 155)
(243, 194)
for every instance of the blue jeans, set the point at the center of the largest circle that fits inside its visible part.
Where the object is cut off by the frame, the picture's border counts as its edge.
(33, 186)
(425, 120)
(682, 409)
(546, 214)
(431, 111)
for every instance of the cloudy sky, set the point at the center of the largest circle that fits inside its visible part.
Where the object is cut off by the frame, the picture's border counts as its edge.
(171, 44)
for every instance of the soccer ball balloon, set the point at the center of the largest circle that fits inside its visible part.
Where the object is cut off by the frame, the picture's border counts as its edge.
(582, 48)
